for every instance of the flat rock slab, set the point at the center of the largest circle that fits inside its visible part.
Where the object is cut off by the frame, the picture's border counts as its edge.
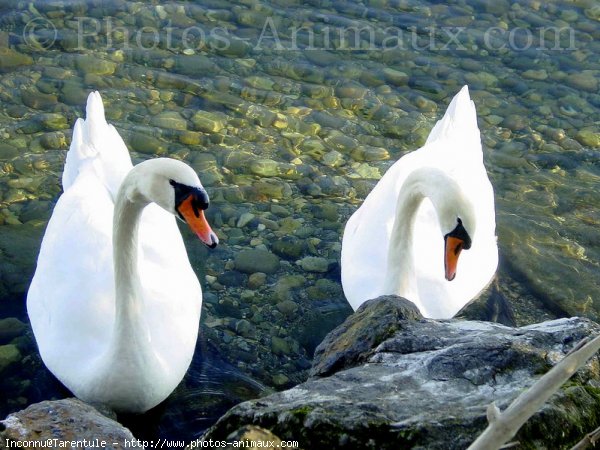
(427, 385)
(64, 424)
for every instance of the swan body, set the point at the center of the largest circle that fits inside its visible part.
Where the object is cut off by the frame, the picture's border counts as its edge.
(406, 237)
(114, 302)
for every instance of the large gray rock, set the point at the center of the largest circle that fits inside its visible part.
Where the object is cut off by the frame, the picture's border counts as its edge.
(64, 420)
(426, 384)
(357, 338)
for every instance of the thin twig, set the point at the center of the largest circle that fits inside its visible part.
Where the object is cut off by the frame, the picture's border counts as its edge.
(505, 425)
(510, 445)
(588, 439)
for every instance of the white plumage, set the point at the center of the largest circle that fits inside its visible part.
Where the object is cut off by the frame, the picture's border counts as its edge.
(73, 303)
(424, 193)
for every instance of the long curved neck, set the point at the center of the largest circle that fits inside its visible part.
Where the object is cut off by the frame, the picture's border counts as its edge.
(130, 330)
(444, 192)
(400, 276)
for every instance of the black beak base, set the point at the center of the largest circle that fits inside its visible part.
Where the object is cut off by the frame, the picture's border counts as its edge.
(459, 232)
(200, 199)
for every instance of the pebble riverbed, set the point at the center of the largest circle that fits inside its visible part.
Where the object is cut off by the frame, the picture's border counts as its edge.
(290, 112)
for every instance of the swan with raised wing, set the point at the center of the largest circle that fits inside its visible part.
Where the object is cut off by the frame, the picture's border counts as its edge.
(114, 302)
(431, 207)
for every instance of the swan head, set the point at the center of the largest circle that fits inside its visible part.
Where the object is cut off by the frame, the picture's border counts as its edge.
(454, 242)
(175, 187)
(457, 220)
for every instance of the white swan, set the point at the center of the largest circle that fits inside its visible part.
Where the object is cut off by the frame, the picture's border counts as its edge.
(406, 237)
(125, 341)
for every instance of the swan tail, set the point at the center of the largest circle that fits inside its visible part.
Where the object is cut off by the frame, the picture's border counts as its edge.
(74, 156)
(459, 121)
(97, 146)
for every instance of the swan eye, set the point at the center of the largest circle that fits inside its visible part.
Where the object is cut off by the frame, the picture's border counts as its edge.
(461, 233)
(198, 197)
(190, 203)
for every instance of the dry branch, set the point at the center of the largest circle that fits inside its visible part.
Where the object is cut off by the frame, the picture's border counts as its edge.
(504, 425)
(589, 439)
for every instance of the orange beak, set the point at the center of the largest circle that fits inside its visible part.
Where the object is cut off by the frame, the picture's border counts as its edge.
(452, 251)
(194, 217)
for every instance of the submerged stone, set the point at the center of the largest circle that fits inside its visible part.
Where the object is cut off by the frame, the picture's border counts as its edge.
(73, 93)
(589, 138)
(146, 143)
(54, 140)
(171, 120)
(341, 142)
(256, 260)
(286, 284)
(9, 354)
(10, 328)
(38, 100)
(273, 188)
(190, 138)
(289, 247)
(395, 77)
(593, 12)
(279, 346)
(287, 307)
(538, 75)
(351, 90)
(207, 122)
(54, 121)
(585, 80)
(314, 264)
(256, 280)
(7, 151)
(89, 64)
(11, 59)
(333, 158)
(265, 167)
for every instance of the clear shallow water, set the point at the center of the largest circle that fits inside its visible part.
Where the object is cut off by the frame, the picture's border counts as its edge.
(291, 111)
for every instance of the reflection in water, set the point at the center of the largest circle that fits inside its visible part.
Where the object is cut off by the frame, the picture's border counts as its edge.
(209, 389)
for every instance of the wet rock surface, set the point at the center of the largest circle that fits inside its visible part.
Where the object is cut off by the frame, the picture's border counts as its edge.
(353, 342)
(64, 420)
(427, 384)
